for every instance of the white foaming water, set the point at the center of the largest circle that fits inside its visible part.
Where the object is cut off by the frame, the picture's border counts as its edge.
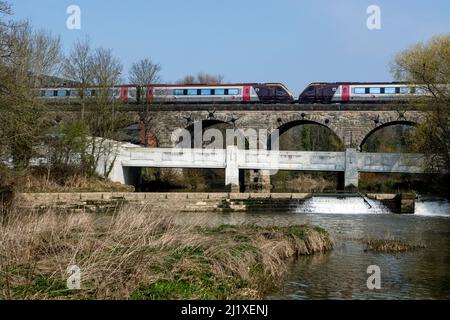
(432, 207)
(342, 205)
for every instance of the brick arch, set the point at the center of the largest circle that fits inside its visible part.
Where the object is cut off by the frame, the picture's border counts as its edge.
(147, 138)
(294, 120)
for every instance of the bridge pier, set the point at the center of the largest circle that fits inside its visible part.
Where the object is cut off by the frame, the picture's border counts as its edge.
(232, 169)
(351, 174)
(259, 181)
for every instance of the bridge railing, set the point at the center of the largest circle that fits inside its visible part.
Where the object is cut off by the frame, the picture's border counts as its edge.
(233, 159)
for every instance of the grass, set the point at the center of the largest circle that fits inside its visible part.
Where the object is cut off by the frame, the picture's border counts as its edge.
(138, 253)
(391, 246)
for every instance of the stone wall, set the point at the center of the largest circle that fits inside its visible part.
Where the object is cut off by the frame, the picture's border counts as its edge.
(180, 202)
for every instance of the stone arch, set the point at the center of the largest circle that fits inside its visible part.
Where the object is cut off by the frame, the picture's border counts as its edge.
(369, 132)
(207, 123)
(285, 124)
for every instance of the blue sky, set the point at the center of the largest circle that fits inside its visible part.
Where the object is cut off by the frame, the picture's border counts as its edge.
(291, 41)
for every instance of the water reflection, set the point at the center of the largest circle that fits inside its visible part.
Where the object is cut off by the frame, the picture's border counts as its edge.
(341, 274)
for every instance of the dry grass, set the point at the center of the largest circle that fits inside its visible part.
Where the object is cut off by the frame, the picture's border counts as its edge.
(141, 254)
(306, 183)
(391, 246)
(72, 183)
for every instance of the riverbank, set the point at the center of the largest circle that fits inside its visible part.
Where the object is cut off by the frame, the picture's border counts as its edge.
(140, 253)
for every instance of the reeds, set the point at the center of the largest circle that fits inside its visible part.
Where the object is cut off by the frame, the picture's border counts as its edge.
(139, 253)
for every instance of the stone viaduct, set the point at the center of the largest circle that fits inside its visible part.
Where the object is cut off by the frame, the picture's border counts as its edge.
(352, 124)
(153, 127)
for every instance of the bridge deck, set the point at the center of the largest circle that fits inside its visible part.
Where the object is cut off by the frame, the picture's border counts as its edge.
(251, 107)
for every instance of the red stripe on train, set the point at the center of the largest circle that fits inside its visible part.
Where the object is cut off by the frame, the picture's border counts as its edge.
(345, 93)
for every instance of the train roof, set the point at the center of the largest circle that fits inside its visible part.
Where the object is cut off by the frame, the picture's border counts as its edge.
(205, 85)
(358, 83)
(175, 85)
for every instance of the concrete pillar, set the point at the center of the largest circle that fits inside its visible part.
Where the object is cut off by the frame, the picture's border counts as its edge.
(232, 168)
(406, 203)
(351, 169)
(132, 176)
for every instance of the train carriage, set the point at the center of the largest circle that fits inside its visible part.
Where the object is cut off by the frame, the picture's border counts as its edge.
(348, 92)
(219, 93)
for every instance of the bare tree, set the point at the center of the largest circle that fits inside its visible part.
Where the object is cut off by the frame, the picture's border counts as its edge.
(103, 118)
(46, 53)
(24, 56)
(107, 69)
(78, 65)
(202, 78)
(145, 72)
(142, 73)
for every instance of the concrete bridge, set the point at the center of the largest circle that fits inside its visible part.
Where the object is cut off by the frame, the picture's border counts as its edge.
(129, 159)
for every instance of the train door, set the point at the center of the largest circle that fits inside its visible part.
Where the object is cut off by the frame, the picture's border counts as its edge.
(149, 95)
(124, 95)
(345, 93)
(319, 94)
(246, 94)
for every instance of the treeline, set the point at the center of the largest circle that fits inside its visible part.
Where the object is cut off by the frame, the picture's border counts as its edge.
(29, 132)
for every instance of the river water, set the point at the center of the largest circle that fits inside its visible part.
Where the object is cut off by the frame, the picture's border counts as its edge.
(342, 273)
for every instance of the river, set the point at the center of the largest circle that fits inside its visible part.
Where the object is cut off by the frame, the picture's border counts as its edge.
(342, 273)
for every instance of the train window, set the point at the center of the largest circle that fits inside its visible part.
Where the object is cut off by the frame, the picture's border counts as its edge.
(359, 90)
(421, 90)
(389, 90)
(178, 92)
(280, 92)
(132, 93)
(73, 93)
(404, 90)
(61, 93)
(192, 92)
(413, 90)
(205, 92)
(219, 92)
(374, 90)
(311, 88)
(233, 91)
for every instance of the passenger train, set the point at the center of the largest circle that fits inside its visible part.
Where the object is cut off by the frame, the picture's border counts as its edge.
(220, 93)
(326, 93)
(361, 92)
